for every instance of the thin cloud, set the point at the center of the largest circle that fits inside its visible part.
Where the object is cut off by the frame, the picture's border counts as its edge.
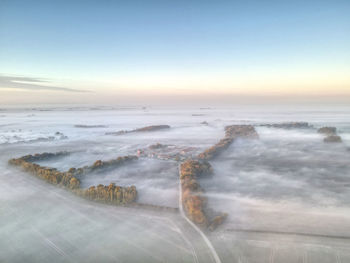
(28, 83)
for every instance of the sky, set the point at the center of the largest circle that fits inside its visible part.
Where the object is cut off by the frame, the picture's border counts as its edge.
(130, 51)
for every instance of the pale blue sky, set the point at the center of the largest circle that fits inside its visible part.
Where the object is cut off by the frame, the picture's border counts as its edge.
(177, 45)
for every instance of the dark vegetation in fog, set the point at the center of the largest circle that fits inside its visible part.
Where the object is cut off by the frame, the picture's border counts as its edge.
(289, 125)
(99, 164)
(111, 194)
(166, 152)
(231, 132)
(332, 138)
(143, 129)
(330, 133)
(193, 200)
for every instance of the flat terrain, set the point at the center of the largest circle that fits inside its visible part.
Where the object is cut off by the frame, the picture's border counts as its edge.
(287, 194)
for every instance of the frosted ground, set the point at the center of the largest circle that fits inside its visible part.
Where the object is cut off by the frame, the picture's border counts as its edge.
(287, 194)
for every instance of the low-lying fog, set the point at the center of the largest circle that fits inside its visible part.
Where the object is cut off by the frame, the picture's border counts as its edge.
(287, 180)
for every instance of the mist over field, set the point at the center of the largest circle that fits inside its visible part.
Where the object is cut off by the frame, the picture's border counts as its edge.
(287, 186)
(174, 131)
